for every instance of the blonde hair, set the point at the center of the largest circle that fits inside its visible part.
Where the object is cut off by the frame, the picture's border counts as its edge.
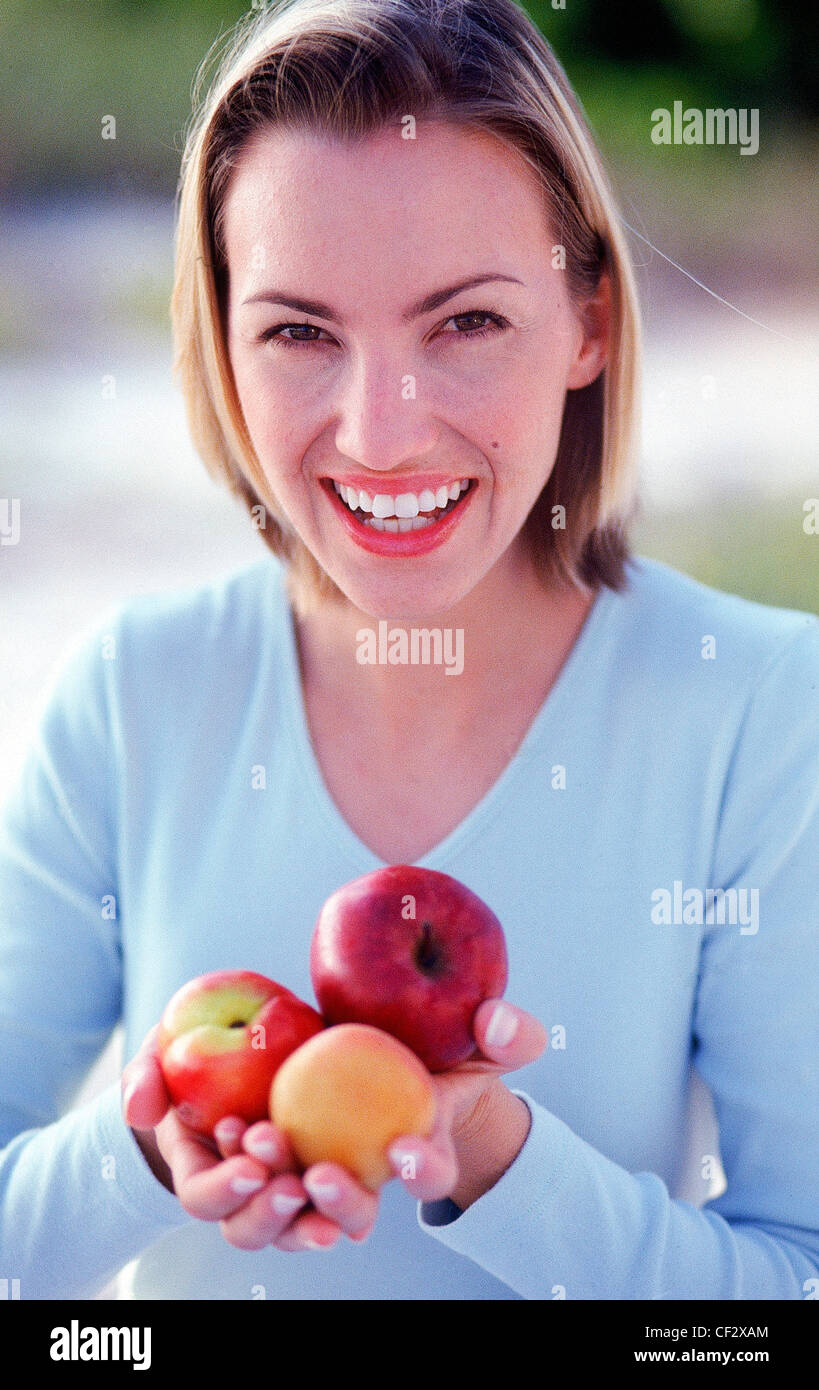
(346, 68)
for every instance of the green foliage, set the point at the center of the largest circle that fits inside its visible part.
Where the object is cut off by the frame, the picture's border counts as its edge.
(65, 66)
(756, 549)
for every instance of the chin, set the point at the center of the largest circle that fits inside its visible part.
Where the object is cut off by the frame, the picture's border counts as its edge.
(419, 600)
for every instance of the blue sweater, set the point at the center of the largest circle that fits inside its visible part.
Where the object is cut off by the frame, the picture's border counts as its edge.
(142, 846)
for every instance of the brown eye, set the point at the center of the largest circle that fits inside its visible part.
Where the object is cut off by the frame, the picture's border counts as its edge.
(496, 324)
(277, 334)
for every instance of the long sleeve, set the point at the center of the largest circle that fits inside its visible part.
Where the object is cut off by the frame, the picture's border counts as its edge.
(566, 1221)
(77, 1199)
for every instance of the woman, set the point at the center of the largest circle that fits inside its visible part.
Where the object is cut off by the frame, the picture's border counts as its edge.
(407, 336)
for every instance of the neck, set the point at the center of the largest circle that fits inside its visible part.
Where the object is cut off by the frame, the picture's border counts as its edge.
(510, 631)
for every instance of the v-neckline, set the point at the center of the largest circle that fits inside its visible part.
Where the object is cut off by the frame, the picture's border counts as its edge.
(337, 828)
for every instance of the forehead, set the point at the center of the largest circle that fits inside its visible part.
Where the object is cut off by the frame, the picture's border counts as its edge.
(299, 194)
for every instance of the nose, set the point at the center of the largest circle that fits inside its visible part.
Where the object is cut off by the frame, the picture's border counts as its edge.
(384, 422)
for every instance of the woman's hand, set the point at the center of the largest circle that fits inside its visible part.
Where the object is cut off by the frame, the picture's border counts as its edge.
(254, 1199)
(249, 1181)
(480, 1129)
(481, 1126)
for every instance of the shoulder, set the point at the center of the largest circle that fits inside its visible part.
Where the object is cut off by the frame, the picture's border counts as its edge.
(224, 610)
(189, 638)
(680, 627)
(195, 635)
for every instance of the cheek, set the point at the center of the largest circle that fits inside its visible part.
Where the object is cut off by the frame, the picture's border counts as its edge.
(522, 397)
(273, 417)
(521, 442)
(522, 431)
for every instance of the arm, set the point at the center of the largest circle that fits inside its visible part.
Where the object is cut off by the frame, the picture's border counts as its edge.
(83, 1192)
(565, 1221)
(77, 1199)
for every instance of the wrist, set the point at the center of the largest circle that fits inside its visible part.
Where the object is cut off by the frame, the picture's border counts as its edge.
(489, 1143)
(146, 1143)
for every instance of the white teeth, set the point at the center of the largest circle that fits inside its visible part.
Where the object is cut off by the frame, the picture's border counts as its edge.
(391, 524)
(404, 523)
(406, 505)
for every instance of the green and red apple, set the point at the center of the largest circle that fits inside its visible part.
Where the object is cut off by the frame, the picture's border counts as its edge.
(221, 1040)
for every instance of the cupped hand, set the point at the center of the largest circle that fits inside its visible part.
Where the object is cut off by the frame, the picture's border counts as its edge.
(478, 1121)
(480, 1125)
(254, 1198)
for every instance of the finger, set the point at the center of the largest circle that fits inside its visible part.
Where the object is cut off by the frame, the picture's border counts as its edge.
(207, 1187)
(507, 1035)
(312, 1231)
(428, 1168)
(271, 1145)
(267, 1215)
(228, 1135)
(337, 1195)
(145, 1098)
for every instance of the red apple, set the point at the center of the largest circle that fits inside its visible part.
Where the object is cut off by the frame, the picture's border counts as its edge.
(413, 952)
(221, 1041)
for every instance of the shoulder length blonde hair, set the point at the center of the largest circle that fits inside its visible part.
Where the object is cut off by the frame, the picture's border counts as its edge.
(346, 68)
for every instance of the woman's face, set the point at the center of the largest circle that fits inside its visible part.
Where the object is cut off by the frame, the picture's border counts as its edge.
(348, 379)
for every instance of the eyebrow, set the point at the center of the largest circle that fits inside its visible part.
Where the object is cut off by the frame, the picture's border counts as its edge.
(427, 305)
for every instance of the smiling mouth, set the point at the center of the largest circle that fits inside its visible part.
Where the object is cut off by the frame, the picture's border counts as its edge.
(404, 512)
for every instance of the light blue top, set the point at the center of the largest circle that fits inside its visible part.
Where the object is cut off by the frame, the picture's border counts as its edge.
(139, 849)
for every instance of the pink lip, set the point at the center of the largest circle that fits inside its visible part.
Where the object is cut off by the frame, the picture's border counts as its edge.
(400, 542)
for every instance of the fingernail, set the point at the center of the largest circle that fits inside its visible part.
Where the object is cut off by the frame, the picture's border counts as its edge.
(227, 1129)
(406, 1160)
(264, 1148)
(315, 1245)
(243, 1186)
(285, 1205)
(322, 1191)
(503, 1026)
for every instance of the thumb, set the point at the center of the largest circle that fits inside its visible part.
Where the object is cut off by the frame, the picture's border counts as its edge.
(145, 1099)
(507, 1035)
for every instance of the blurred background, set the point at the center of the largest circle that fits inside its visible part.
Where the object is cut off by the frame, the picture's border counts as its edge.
(94, 447)
(113, 500)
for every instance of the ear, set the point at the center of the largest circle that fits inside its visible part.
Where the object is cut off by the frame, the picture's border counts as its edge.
(594, 316)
